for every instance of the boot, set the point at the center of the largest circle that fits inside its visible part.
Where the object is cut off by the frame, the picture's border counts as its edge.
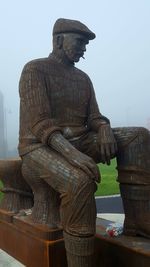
(136, 201)
(80, 251)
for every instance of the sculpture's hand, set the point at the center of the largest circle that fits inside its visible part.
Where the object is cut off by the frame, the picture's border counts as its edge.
(74, 156)
(107, 143)
(84, 163)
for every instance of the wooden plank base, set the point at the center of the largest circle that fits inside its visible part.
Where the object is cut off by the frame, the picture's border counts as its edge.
(46, 249)
(121, 251)
(40, 231)
(32, 248)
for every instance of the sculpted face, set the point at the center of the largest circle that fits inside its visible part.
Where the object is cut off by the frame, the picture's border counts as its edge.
(74, 46)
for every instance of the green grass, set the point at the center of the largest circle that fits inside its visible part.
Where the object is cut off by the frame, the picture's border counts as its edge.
(108, 185)
(1, 194)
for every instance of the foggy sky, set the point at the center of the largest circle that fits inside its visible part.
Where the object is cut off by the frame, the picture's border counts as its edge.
(117, 61)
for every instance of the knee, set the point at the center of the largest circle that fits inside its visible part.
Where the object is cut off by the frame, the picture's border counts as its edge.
(82, 184)
(131, 135)
(143, 133)
(142, 136)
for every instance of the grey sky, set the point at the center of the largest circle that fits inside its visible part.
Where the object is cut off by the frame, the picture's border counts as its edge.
(117, 61)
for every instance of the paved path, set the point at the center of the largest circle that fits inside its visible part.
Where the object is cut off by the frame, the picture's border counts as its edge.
(109, 204)
(8, 261)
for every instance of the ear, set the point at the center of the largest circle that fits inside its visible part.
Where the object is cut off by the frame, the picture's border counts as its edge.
(59, 41)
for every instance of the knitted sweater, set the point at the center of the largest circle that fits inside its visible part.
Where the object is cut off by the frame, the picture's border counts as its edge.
(54, 97)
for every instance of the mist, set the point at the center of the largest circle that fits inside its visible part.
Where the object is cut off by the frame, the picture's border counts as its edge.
(117, 61)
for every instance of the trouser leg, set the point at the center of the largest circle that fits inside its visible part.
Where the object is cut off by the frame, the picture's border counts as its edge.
(46, 200)
(77, 208)
(78, 218)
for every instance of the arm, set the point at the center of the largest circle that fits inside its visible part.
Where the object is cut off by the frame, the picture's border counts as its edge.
(74, 156)
(35, 102)
(107, 145)
(95, 118)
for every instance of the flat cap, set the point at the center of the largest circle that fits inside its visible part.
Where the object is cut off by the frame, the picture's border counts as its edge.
(73, 26)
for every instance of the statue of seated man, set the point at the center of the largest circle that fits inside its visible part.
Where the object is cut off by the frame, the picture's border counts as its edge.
(62, 137)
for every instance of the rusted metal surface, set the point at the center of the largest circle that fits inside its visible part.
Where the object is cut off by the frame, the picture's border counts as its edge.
(39, 230)
(33, 251)
(121, 250)
(6, 216)
(33, 245)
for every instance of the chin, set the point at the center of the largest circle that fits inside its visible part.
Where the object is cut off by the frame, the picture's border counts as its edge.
(77, 59)
(74, 60)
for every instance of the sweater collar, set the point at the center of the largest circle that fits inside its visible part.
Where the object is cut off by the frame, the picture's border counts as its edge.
(61, 60)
